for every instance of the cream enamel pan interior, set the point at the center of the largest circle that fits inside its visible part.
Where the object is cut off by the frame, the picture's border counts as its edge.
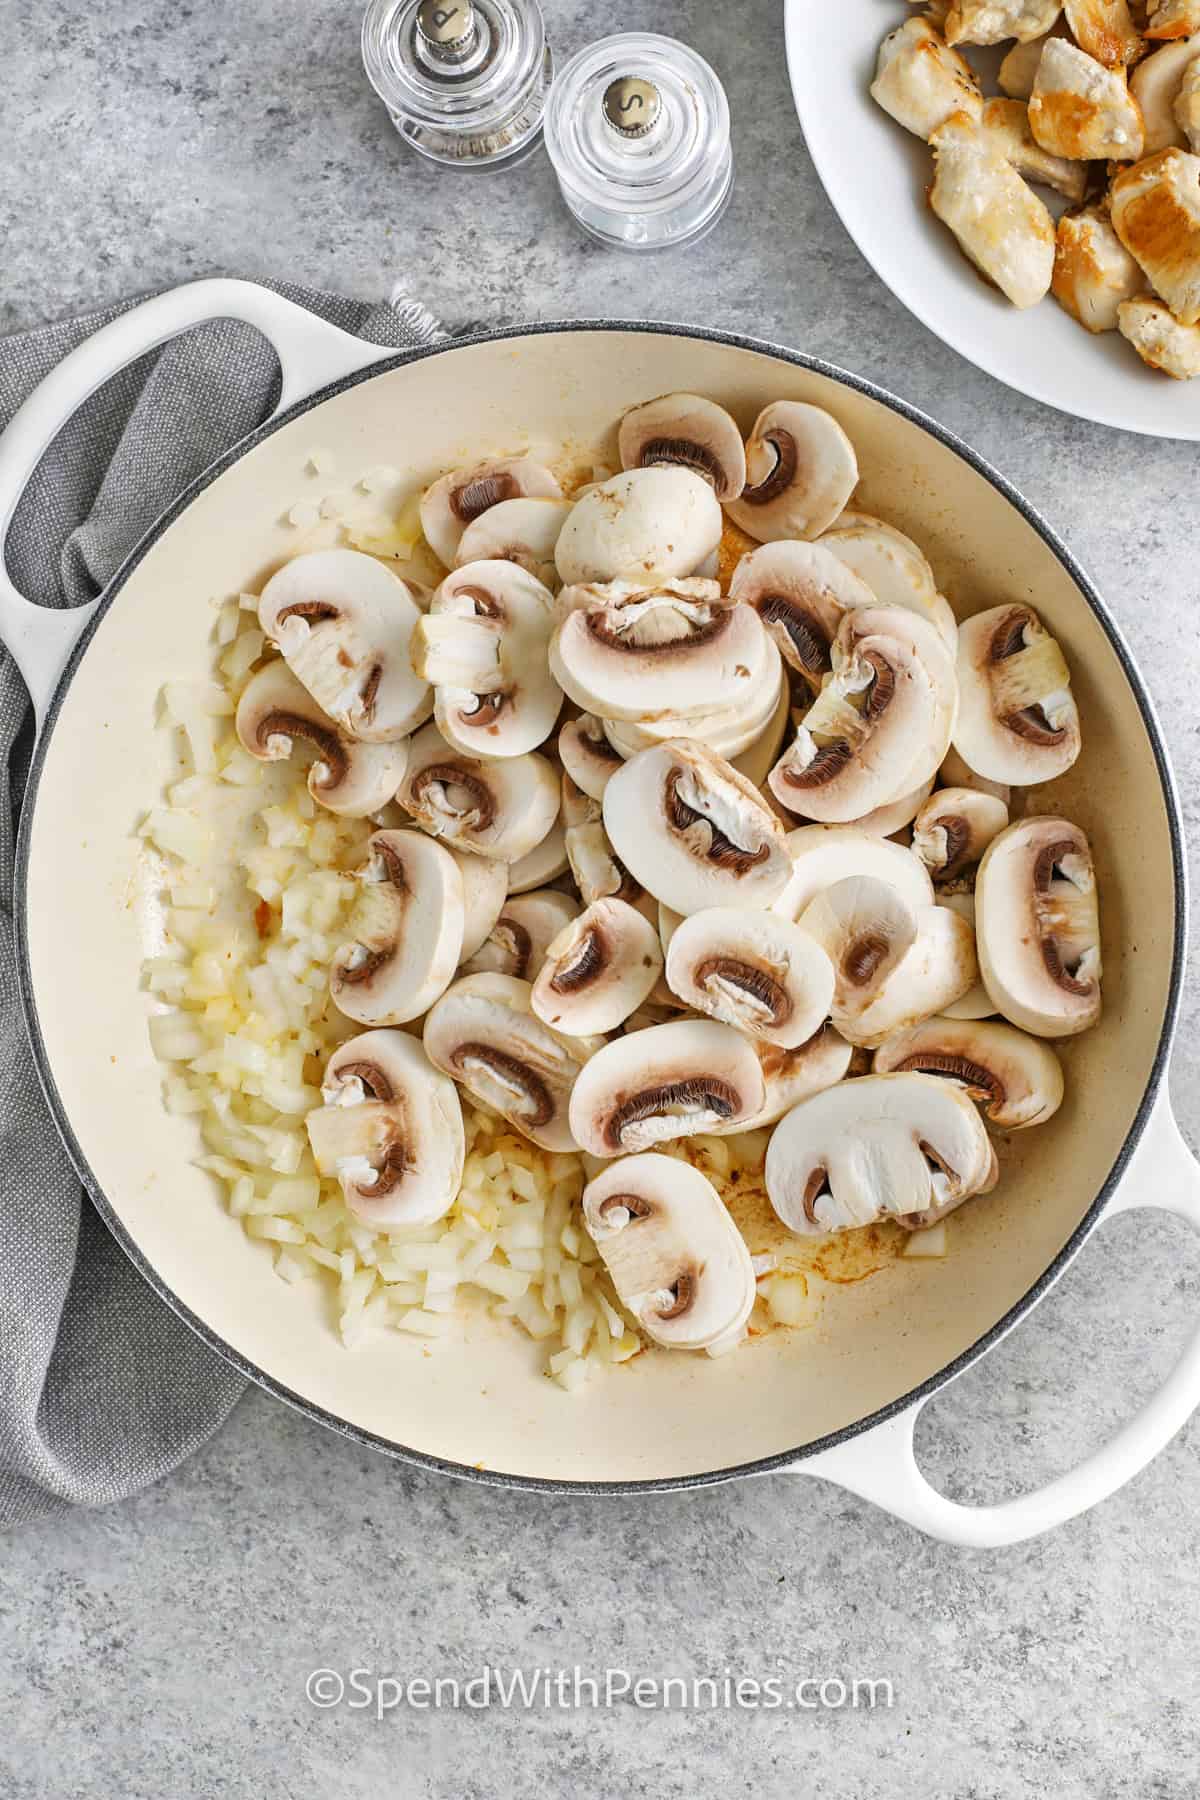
(479, 1405)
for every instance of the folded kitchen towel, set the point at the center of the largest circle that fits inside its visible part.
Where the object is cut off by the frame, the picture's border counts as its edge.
(102, 1388)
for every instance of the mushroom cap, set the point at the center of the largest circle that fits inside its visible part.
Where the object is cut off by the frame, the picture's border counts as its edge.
(600, 968)
(885, 821)
(631, 650)
(753, 970)
(976, 1003)
(496, 809)
(800, 472)
(483, 646)
(1017, 720)
(485, 889)
(895, 570)
(955, 773)
(894, 965)
(541, 865)
(645, 523)
(391, 1130)
(728, 730)
(760, 757)
(1017, 1079)
(483, 1033)
(688, 431)
(677, 1260)
(347, 777)
(906, 1146)
(693, 831)
(792, 1075)
(881, 724)
(953, 829)
(1038, 927)
(523, 531)
(524, 930)
(586, 754)
(456, 500)
(800, 591)
(406, 931)
(823, 854)
(669, 1081)
(344, 623)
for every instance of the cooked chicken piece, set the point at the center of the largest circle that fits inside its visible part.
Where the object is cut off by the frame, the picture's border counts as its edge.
(1081, 109)
(1155, 84)
(1187, 104)
(992, 21)
(1105, 30)
(1007, 124)
(999, 222)
(921, 81)
(1174, 19)
(1159, 338)
(1093, 271)
(1018, 71)
(1156, 215)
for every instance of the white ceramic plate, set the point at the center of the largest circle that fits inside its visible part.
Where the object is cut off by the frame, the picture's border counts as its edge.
(876, 174)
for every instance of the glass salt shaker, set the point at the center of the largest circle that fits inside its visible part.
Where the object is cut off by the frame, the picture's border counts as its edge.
(465, 81)
(637, 127)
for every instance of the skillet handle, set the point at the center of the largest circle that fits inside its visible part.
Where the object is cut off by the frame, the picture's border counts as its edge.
(311, 353)
(880, 1465)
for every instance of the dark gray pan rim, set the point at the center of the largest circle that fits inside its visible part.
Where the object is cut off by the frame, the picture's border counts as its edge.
(932, 1384)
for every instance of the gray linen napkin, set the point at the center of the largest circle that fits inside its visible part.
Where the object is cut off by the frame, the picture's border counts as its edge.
(102, 1388)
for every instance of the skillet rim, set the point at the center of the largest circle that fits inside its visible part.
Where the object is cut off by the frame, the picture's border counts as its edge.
(781, 1460)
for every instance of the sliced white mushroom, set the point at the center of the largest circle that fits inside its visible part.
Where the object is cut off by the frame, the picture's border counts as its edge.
(999, 223)
(1156, 215)
(825, 854)
(496, 809)
(541, 865)
(800, 591)
(1155, 85)
(483, 1032)
(954, 828)
(1007, 124)
(757, 761)
(598, 872)
(976, 1003)
(1093, 271)
(885, 821)
(920, 80)
(1159, 339)
(677, 1260)
(800, 472)
(586, 754)
(955, 773)
(628, 650)
(687, 431)
(994, 21)
(671, 1081)
(524, 930)
(405, 930)
(881, 724)
(792, 1075)
(458, 499)
(1038, 927)
(906, 1147)
(1017, 720)
(390, 1130)
(345, 623)
(1080, 109)
(894, 965)
(891, 567)
(600, 968)
(483, 645)
(348, 777)
(646, 523)
(1017, 1079)
(728, 730)
(693, 831)
(485, 889)
(520, 531)
(754, 970)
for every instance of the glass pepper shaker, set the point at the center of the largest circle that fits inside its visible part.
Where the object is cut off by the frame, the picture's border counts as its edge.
(637, 127)
(465, 81)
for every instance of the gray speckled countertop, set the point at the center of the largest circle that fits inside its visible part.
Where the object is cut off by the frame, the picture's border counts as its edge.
(159, 1649)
